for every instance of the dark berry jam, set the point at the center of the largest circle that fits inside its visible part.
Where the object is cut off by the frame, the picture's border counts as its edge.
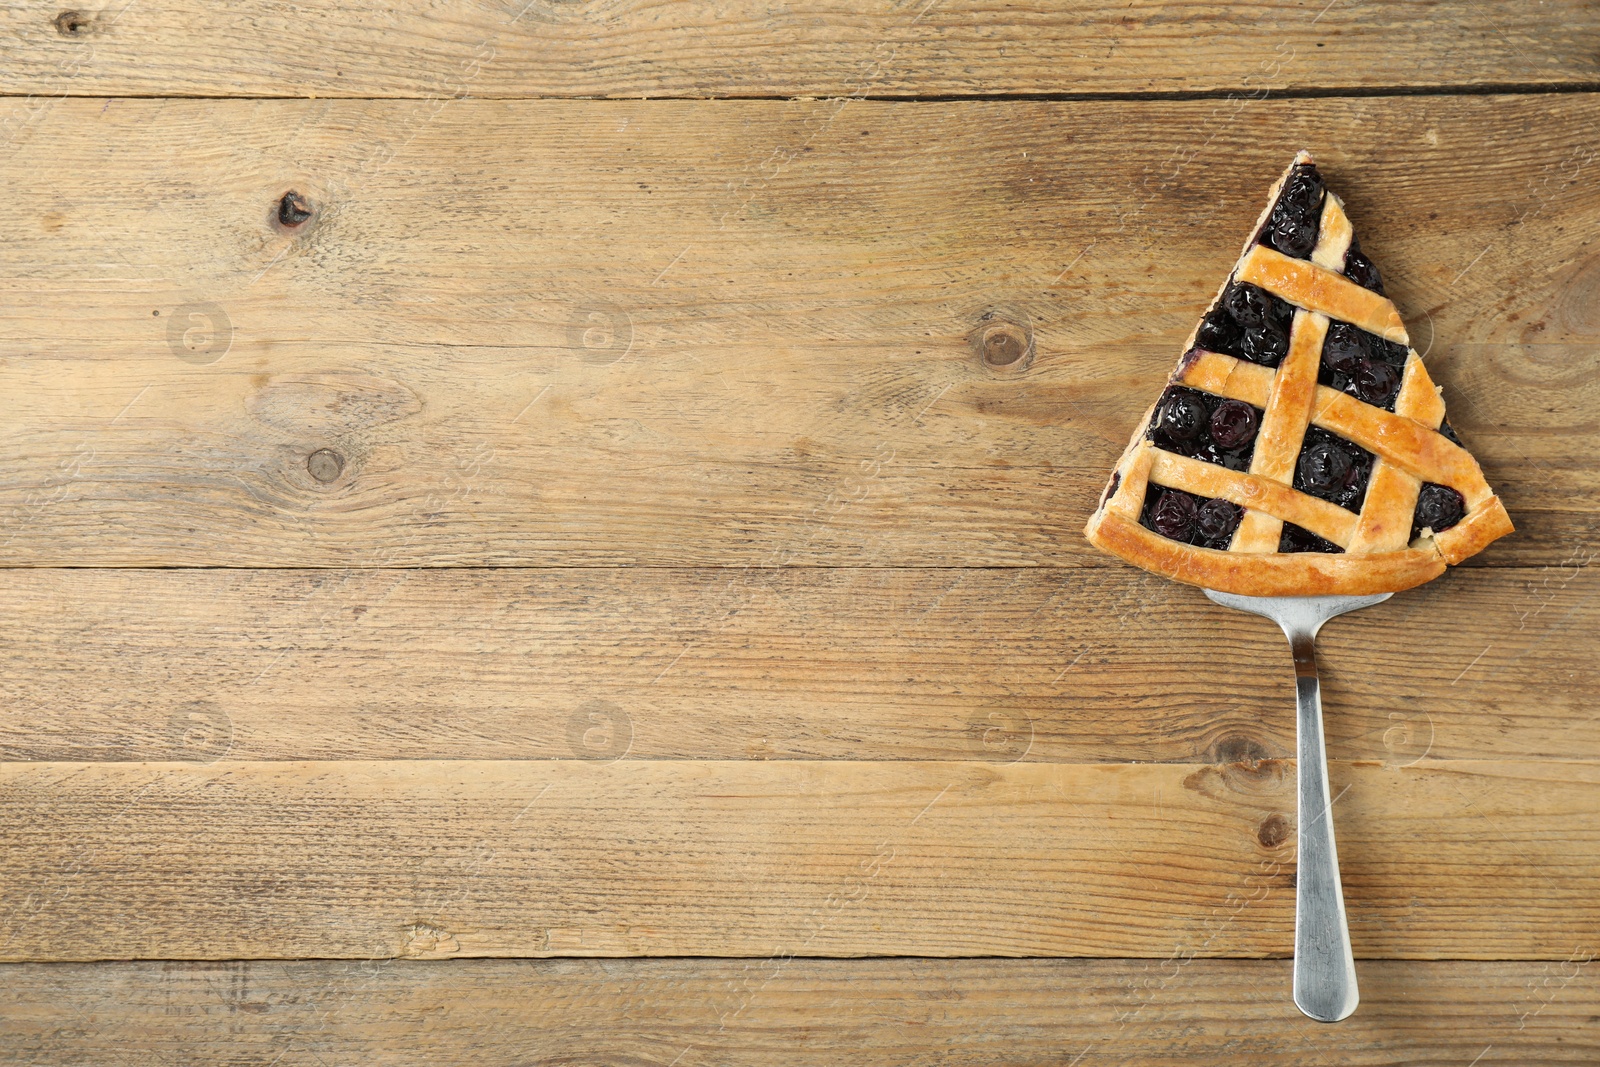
(1439, 507)
(1366, 366)
(1297, 216)
(1191, 519)
(1332, 468)
(1359, 269)
(1299, 539)
(1205, 426)
(1111, 490)
(1450, 433)
(1247, 322)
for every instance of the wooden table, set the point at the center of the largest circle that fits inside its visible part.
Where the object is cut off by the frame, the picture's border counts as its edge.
(549, 532)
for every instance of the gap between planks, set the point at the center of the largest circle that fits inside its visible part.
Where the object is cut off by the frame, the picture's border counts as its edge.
(1228, 93)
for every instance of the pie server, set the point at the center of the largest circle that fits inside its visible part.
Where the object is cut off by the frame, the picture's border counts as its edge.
(1324, 968)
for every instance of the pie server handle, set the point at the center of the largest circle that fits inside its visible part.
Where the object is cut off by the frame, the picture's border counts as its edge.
(1324, 967)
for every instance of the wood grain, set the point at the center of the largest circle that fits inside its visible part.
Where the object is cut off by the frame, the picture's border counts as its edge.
(602, 333)
(523, 48)
(793, 663)
(485, 1013)
(1468, 860)
(755, 619)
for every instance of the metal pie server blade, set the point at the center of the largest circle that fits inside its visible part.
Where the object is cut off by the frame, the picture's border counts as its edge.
(1324, 967)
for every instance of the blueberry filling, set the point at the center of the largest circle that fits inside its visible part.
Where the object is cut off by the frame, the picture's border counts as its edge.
(1359, 269)
(1439, 507)
(1111, 490)
(1296, 217)
(1299, 539)
(1449, 433)
(1205, 427)
(1362, 364)
(1265, 333)
(1247, 322)
(1191, 519)
(1333, 469)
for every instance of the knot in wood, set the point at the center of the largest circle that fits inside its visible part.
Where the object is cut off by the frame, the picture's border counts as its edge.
(293, 209)
(1003, 342)
(73, 24)
(325, 464)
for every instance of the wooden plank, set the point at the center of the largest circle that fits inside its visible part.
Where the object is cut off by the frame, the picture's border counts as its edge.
(721, 332)
(795, 663)
(523, 48)
(876, 1013)
(358, 860)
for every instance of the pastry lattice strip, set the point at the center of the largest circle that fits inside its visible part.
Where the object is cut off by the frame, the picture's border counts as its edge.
(1407, 445)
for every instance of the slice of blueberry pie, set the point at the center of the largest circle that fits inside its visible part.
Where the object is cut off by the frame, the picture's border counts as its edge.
(1300, 448)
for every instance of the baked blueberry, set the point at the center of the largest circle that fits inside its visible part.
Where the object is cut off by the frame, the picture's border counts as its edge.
(1266, 344)
(1293, 236)
(1439, 507)
(1376, 382)
(1343, 348)
(1233, 424)
(1181, 416)
(1190, 519)
(1323, 467)
(1174, 515)
(1218, 332)
(1386, 350)
(1216, 519)
(1249, 305)
(1302, 193)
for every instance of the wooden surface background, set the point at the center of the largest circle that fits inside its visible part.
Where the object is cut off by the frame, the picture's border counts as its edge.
(577, 585)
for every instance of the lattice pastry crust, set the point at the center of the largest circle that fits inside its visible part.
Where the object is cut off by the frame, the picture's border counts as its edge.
(1292, 486)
